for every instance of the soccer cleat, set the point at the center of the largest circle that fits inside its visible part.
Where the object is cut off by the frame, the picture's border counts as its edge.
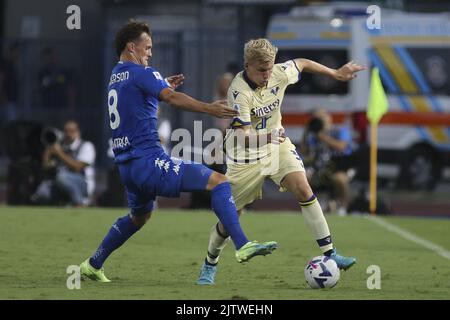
(207, 274)
(94, 274)
(341, 261)
(251, 249)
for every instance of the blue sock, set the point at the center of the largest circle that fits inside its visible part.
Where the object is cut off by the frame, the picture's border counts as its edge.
(223, 205)
(120, 232)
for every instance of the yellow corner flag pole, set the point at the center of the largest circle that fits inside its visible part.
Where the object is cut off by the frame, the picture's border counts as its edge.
(376, 108)
(373, 168)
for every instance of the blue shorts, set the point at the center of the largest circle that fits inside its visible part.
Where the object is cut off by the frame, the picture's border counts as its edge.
(148, 177)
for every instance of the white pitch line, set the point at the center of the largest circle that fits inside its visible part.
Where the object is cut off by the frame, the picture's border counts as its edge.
(411, 237)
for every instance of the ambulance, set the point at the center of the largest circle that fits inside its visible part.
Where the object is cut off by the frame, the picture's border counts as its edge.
(412, 53)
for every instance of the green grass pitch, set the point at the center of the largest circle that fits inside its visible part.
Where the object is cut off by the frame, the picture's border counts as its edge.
(162, 261)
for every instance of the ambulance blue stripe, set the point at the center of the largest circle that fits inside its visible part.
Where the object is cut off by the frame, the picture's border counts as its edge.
(390, 82)
(420, 79)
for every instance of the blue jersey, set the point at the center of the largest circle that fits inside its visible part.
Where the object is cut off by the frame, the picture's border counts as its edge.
(133, 94)
(145, 170)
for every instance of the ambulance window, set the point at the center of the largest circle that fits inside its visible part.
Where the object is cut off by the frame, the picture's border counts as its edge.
(428, 69)
(315, 84)
(433, 67)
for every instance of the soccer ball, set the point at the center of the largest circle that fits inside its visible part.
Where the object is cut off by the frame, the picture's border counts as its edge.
(322, 272)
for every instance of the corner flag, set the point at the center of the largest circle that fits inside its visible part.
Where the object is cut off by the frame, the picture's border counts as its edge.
(376, 108)
(378, 103)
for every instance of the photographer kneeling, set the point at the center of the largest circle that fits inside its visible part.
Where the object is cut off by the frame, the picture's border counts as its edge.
(70, 164)
(326, 152)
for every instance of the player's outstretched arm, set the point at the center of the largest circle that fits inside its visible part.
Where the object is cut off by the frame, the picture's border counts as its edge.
(183, 101)
(345, 73)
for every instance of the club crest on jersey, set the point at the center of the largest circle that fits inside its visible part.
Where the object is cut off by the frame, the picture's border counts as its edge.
(263, 111)
(275, 90)
(157, 75)
(287, 64)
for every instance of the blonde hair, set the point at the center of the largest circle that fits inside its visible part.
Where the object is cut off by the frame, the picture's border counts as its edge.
(259, 50)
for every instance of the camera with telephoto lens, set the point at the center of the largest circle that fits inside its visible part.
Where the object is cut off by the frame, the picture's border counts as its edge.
(51, 136)
(315, 125)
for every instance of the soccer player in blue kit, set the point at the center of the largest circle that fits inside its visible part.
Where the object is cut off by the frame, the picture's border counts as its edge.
(146, 171)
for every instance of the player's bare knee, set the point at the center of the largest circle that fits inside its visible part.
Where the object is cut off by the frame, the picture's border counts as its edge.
(305, 194)
(298, 188)
(215, 179)
(301, 191)
(222, 230)
(140, 221)
(220, 178)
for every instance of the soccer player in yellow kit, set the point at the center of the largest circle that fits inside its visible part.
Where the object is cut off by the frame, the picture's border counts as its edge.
(257, 93)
